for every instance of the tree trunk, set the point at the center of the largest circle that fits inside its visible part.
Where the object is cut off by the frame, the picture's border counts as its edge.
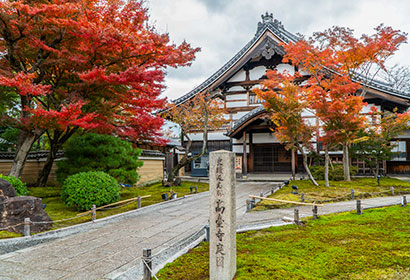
(58, 140)
(45, 172)
(326, 166)
(377, 169)
(187, 159)
(173, 173)
(305, 165)
(346, 167)
(25, 142)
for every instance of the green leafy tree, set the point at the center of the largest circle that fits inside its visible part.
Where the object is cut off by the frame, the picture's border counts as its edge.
(375, 142)
(95, 152)
(9, 139)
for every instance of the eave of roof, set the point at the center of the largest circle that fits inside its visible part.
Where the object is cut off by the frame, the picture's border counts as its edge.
(381, 86)
(245, 118)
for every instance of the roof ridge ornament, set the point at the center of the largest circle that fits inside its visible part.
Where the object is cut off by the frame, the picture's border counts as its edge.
(267, 17)
(268, 20)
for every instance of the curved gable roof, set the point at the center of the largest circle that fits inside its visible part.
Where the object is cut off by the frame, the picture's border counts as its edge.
(275, 27)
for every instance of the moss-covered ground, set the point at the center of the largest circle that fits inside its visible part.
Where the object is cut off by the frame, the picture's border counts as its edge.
(371, 246)
(338, 191)
(57, 210)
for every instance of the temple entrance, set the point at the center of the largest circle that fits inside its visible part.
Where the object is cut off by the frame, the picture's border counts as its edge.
(270, 158)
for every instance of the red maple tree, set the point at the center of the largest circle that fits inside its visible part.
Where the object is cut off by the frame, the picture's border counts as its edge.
(83, 64)
(339, 68)
(286, 101)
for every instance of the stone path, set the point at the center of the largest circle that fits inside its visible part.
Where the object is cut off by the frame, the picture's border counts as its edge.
(258, 217)
(109, 251)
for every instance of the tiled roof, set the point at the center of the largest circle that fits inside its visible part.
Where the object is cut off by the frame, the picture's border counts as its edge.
(43, 154)
(277, 28)
(382, 86)
(152, 153)
(4, 141)
(32, 155)
(245, 118)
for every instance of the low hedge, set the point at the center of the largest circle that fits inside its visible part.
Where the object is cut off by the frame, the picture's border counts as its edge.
(84, 189)
(18, 185)
(335, 174)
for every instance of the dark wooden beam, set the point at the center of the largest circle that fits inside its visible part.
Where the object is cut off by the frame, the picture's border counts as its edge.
(243, 83)
(293, 165)
(245, 160)
(240, 109)
(250, 152)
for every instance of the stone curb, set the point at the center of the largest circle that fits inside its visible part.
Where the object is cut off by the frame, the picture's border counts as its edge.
(14, 244)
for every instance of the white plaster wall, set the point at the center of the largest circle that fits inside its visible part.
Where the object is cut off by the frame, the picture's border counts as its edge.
(238, 77)
(236, 88)
(303, 72)
(227, 116)
(211, 136)
(367, 109)
(256, 86)
(240, 140)
(311, 121)
(257, 72)
(239, 149)
(281, 68)
(307, 113)
(239, 115)
(236, 97)
(236, 104)
(259, 138)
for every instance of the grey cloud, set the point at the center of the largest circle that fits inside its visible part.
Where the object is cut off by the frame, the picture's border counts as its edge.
(217, 5)
(221, 28)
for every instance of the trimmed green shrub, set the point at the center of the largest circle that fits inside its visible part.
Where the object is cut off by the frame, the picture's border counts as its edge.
(335, 174)
(18, 185)
(95, 152)
(87, 188)
(10, 135)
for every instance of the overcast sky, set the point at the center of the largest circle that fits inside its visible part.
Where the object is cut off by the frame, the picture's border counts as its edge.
(222, 27)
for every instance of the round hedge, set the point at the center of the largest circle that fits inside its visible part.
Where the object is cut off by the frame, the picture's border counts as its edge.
(18, 185)
(87, 188)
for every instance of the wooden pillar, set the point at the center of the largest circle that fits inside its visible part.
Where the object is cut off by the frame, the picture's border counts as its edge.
(250, 152)
(245, 157)
(293, 165)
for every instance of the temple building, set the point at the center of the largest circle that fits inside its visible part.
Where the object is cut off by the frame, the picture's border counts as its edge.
(249, 133)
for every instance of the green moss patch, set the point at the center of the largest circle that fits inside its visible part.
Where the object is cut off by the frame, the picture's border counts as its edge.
(338, 191)
(6, 234)
(374, 245)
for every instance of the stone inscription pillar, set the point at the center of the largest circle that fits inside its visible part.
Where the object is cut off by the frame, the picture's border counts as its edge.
(222, 218)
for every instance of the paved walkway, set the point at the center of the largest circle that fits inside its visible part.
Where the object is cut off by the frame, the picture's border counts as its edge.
(107, 252)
